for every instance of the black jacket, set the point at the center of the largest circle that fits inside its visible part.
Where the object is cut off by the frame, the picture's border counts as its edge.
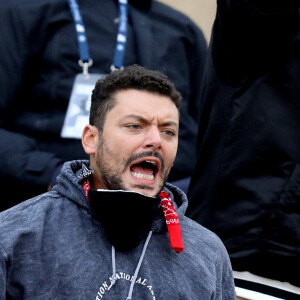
(39, 61)
(246, 184)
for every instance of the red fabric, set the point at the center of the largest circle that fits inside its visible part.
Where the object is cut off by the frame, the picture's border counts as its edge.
(86, 188)
(172, 221)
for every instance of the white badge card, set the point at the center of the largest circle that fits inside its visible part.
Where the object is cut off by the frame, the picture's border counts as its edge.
(78, 111)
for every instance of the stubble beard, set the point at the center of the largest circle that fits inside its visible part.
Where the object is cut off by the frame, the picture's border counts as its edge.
(111, 173)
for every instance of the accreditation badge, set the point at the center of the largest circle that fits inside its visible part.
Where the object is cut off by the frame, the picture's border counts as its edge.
(78, 111)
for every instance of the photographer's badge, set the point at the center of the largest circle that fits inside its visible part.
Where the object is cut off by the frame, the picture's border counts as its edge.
(78, 111)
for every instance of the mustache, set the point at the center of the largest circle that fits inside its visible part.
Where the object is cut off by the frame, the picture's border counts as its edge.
(140, 155)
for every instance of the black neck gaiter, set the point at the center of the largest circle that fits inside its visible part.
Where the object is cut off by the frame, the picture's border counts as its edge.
(125, 216)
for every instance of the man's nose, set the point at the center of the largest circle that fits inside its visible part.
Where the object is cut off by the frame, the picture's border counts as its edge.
(153, 138)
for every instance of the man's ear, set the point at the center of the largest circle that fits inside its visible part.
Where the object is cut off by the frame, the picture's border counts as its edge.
(90, 139)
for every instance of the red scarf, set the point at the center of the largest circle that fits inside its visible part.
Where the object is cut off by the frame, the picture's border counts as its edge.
(172, 221)
(86, 188)
(170, 214)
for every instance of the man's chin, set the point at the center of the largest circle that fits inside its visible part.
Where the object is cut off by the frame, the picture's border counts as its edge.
(146, 190)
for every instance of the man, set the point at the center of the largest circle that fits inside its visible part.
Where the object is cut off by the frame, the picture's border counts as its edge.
(112, 231)
(246, 184)
(38, 70)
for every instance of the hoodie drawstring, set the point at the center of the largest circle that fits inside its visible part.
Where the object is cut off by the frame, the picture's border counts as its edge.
(113, 260)
(136, 272)
(138, 266)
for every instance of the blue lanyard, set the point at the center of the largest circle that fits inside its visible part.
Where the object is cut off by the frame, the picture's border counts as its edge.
(122, 35)
(85, 60)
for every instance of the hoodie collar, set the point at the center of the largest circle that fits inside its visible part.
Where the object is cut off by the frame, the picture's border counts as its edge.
(141, 213)
(69, 187)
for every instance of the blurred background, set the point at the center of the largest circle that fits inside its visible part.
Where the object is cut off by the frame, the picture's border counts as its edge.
(202, 12)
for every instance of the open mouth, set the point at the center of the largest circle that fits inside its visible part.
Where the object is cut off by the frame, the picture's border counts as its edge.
(146, 169)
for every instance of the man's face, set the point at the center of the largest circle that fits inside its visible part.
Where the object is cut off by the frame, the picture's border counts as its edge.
(138, 145)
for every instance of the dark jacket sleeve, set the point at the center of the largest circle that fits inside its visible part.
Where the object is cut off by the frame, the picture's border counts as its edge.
(249, 34)
(245, 186)
(196, 54)
(21, 161)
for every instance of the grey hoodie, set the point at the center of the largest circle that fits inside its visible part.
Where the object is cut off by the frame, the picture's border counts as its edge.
(53, 247)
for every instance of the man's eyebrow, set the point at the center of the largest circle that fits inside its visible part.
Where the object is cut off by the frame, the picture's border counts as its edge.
(144, 120)
(169, 123)
(137, 117)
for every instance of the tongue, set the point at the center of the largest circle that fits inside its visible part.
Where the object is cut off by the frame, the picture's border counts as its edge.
(141, 169)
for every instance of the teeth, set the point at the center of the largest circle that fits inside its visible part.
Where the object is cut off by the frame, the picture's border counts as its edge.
(151, 162)
(142, 176)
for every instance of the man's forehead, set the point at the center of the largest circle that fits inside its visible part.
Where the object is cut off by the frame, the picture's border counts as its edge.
(124, 93)
(145, 104)
(138, 98)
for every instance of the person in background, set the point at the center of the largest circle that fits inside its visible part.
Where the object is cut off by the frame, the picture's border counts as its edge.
(246, 183)
(52, 51)
(112, 227)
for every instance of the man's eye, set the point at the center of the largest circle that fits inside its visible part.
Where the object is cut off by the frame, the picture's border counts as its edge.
(133, 126)
(169, 132)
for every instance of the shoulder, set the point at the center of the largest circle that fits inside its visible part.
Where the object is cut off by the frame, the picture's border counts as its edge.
(28, 216)
(30, 11)
(25, 4)
(28, 16)
(200, 239)
(28, 207)
(207, 250)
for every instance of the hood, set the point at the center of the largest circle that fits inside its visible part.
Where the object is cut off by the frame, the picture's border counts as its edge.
(67, 183)
(126, 216)
(68, 186)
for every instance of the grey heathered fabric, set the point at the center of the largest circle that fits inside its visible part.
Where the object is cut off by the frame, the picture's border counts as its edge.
(52, 247)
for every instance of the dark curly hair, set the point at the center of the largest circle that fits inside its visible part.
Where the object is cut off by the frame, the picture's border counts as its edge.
(131, 77)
